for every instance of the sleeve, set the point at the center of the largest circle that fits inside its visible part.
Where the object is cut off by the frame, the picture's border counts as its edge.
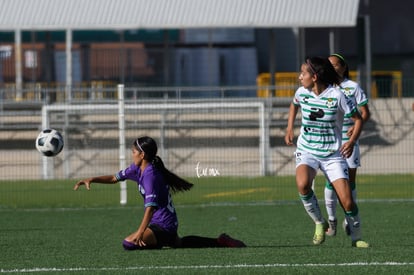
(347, 105)
(126, 174)
(296, 97)
(360, 96)
(151, 190)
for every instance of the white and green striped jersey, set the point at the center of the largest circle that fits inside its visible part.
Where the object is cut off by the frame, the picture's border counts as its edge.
(322, 118)
(352, 91)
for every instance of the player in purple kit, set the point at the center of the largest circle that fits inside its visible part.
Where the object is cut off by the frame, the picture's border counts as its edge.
(159, 224)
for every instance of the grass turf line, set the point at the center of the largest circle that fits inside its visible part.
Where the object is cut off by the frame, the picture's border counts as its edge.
(279, 238)
(47, 225)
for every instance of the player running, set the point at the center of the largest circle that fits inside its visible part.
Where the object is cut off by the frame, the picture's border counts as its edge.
(319, 144)
(353, 92)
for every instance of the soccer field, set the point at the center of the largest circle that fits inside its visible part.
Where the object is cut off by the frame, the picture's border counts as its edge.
(47, 228)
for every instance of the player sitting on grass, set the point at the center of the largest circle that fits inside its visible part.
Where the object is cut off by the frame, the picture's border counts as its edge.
(159, 224)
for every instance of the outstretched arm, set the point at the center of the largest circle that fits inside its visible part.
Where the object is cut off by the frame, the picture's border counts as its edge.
(101, 179)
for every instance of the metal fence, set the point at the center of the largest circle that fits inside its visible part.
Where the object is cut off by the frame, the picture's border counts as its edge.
(228, 142)
(99, 92)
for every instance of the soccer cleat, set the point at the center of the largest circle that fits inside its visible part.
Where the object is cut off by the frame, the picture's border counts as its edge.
(319, 236)
(331, 231)
(227, 241)
(346, 228)
(360, 244)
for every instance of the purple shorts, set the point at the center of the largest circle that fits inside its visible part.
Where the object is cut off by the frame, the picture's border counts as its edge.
(164, 238)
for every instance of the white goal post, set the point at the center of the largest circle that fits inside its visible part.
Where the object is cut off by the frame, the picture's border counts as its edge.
(122, 107)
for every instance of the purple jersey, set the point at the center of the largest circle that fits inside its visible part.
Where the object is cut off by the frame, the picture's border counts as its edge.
(155, 191)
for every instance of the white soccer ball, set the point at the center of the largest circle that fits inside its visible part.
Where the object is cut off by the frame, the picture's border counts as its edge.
(49, 142)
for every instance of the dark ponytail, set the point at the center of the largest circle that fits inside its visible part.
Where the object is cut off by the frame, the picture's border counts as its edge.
(176, 183)
(149, 147)
(323, 68)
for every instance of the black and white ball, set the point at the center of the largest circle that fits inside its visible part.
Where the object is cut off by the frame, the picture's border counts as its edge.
(49, 142)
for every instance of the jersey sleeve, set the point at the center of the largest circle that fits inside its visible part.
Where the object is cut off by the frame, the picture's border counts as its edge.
(360, 96)
(296, 97)
(128, 173)
(151, 190)
(346, 105)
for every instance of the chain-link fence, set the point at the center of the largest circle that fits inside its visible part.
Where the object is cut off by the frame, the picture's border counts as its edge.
(228, 139)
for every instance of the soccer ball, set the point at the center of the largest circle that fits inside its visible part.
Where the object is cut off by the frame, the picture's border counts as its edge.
(49, 142)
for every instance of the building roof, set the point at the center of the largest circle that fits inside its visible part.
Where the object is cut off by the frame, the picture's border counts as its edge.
(174, 14)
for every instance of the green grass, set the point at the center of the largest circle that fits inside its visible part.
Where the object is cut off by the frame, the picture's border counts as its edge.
(207, 190)
(46, 228)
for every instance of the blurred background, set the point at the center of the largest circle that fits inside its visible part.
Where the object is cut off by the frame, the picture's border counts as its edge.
(44, 65)
(379, 38)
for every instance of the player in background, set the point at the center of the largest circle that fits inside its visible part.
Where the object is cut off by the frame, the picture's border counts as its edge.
(319, 144)
(159, 225)
(353, 92)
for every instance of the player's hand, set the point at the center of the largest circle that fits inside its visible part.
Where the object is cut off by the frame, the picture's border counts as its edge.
(86, 182)
(289, 137)
(140, 242)
(347, 148)
(137, 238)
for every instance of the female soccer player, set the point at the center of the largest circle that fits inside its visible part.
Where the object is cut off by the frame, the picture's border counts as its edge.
(353, 92)
(319, 146)
(159, 224)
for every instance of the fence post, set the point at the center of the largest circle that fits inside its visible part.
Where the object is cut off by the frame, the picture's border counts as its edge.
(263, 141)
(122, 149)
(47, 162)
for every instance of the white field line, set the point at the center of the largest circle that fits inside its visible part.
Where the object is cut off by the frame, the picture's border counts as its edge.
(199, 267)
